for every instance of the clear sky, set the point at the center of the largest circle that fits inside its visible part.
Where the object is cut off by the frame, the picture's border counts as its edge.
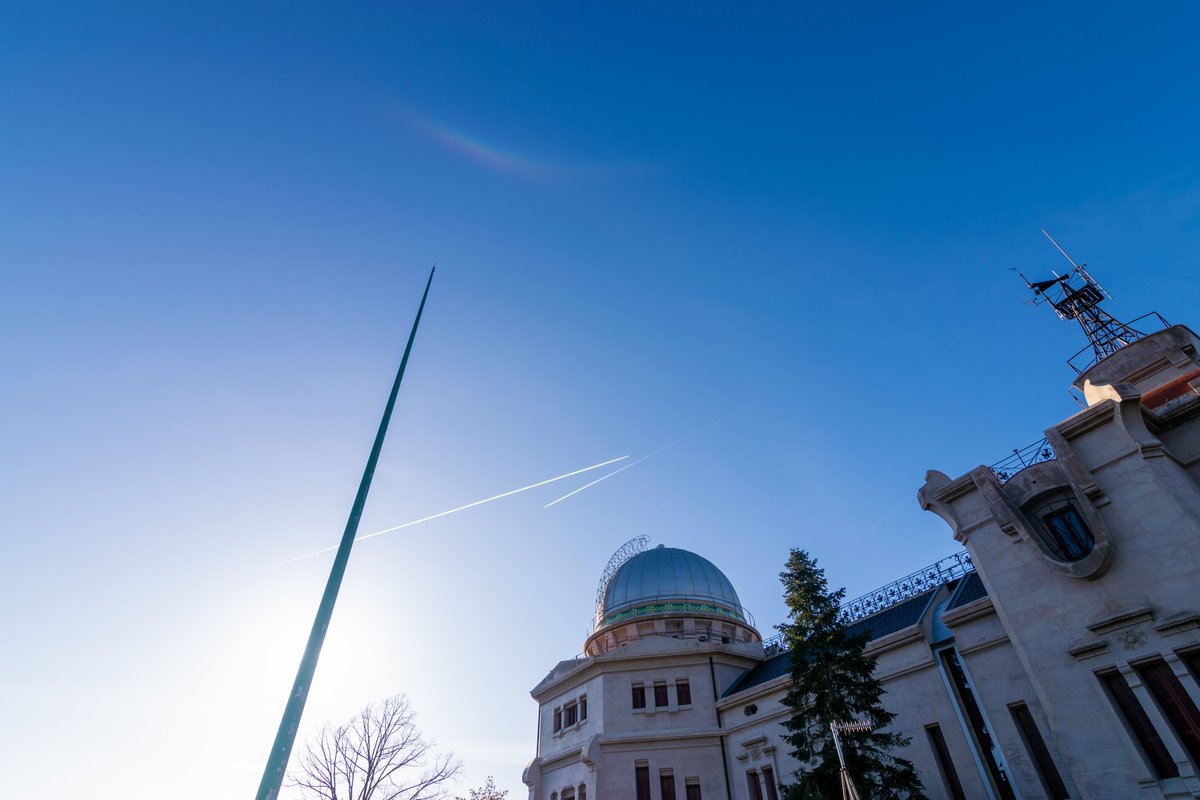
(784, 231)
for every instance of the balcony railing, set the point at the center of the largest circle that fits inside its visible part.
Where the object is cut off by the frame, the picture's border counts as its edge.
(1026, 456)
(933, 576)
(895, 593)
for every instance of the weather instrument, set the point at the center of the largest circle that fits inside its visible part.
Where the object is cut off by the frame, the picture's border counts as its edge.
(1076, 295)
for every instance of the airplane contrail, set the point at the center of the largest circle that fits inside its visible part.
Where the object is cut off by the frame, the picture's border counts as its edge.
(696, 432)
(460, 508)
(622, 469)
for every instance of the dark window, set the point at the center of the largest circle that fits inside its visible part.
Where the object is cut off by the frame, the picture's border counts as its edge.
(1192, 659)
(642, 779)
(583, 791)
(683, 693)
(752, 784)
(941, 754)
(983, 737)
(1176, 706)
(557, 720)
(1139, 725)
(660, 695)
(769, 782)
(1065, 535)
(571, 713)
(583, 708)
(666, 785)
(1036, 746)
(692, 790)
(639, 696)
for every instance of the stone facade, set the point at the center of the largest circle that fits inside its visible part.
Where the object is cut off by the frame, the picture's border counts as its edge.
(1064, 664)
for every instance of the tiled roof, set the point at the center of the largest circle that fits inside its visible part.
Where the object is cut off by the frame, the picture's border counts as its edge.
(900, 616)
(763, 671)
(972, 589)
(890, 620)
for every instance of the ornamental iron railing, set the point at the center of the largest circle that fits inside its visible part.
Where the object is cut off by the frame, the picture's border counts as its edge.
(919, 582)
(1021, 458)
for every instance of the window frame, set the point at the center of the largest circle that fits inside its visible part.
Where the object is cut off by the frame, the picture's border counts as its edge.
(1145, 737)
(768, 778)
(1172, 699)
(641, 780)
(666, 784)
(1060, 525)
(1039, 752)
(683, 692)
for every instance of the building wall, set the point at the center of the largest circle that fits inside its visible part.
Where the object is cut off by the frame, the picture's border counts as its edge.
(1044, 643)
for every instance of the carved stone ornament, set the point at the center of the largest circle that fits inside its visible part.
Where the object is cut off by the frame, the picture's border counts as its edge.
(1131, 639)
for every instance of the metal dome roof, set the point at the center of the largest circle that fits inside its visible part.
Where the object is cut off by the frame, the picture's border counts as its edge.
(667, 579)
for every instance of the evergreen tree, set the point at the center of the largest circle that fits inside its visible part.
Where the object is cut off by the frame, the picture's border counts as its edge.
(832, 681)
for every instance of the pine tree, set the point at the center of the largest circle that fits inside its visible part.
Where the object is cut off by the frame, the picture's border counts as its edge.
(832, 680)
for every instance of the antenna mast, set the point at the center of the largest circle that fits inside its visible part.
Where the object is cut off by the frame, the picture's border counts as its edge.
(1077, 295)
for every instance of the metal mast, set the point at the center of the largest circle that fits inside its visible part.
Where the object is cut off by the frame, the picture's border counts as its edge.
(849, 790)
(281, 750)
(1077, 295)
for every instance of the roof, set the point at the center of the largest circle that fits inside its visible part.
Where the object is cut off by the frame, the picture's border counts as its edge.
(777, 665)
(970, 590)
(890, 620)
(897, 618)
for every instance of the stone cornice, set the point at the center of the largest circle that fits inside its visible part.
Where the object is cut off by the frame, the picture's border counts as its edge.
(985, 644)
(1178, 623)
(753, 693)
(1121, 620)
(1088, 649)
(590, 665)
(1088, 419)
(965, 613)
(893, 640)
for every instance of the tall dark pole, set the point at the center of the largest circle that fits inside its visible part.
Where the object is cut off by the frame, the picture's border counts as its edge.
(277, 761)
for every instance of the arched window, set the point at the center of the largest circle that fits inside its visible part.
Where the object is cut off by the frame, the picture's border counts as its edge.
(1061, 528)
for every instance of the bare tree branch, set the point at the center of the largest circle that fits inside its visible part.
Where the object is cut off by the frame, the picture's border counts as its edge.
(378, 755)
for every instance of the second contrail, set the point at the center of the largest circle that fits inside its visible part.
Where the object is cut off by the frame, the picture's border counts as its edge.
(608, 475)
(462, 508)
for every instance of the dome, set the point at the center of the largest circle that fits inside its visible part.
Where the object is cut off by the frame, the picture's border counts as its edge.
(667, 579)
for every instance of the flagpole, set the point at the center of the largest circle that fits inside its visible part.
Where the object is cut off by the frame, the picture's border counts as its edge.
(277, 760)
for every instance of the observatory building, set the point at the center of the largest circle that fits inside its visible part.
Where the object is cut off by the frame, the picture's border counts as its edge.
(1058, 656)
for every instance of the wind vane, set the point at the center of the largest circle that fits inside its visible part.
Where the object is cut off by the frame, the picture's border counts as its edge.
(1076, 295)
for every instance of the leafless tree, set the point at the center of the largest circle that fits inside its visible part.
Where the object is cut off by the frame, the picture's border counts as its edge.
(488, 791)
(378, 755)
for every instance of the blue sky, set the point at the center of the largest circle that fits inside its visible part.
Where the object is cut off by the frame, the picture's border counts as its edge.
(784, 231)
